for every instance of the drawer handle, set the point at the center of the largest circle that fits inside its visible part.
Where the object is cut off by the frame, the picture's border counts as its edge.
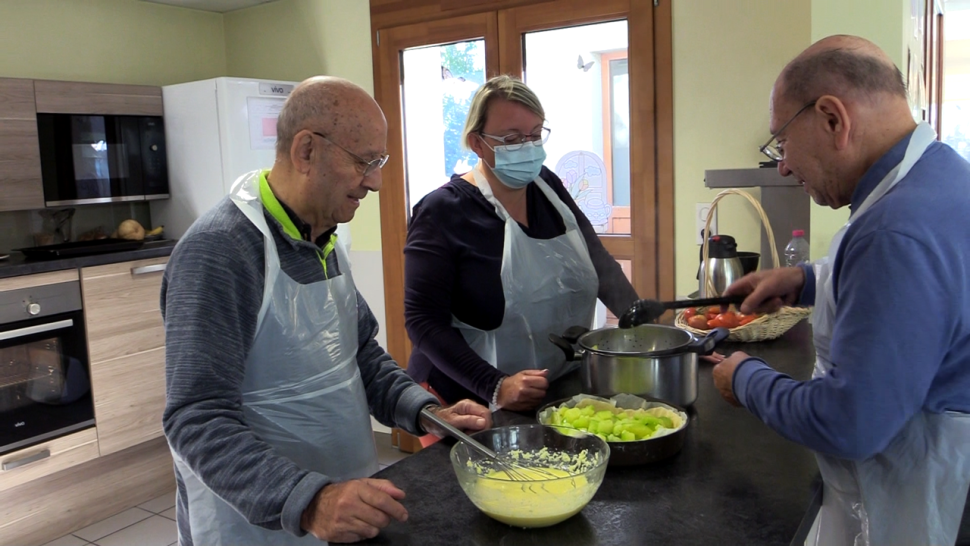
(10, 465)
(144, 270)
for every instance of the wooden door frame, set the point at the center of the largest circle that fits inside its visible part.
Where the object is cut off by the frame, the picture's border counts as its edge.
(398, 24)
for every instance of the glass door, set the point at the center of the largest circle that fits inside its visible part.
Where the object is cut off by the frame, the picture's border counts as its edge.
(602, 71)
(592, 65)
(437, 88)
(426, 74)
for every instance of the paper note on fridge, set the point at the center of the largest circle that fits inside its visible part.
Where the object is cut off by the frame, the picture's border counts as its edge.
(262, 113)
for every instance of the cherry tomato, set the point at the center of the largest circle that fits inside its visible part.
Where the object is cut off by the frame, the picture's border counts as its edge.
(715, 323)
(712, 312)
(698, 322)
(690, 312)
(728, 319)
(746, 319)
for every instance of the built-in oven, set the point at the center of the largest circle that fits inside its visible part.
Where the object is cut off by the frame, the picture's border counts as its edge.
(45, 379)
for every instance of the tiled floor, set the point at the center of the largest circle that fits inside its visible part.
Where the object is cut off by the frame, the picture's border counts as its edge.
(153, 523)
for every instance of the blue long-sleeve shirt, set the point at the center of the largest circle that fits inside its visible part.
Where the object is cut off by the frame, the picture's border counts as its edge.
(901, 338)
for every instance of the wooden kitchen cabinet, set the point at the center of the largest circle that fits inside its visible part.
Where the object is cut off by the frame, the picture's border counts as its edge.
(31, 463)
(126, 345)
(57, 97)
(21, 187)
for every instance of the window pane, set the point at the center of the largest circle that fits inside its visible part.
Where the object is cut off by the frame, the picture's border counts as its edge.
(604, 317)
(620, 131)
(580, 75)
(439, 82)
(955, 117)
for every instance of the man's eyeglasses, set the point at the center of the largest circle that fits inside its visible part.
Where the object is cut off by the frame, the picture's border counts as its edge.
(514, 141)
(367, 166)
(772, 149)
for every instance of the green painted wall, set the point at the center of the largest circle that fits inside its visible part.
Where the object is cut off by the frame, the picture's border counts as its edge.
(110, 41)
(726, 58)
(296, 39)
(884, 23)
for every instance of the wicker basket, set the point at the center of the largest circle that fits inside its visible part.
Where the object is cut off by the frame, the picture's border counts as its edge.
(764, 327)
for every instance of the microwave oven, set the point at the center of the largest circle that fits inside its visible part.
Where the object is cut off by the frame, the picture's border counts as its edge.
(88, 159)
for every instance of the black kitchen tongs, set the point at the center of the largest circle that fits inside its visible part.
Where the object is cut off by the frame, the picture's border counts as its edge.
(644, 311)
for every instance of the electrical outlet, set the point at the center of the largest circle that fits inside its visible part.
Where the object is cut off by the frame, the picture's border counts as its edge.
(700, 219)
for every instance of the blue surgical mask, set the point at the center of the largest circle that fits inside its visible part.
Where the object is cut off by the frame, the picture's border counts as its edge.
(516, 168)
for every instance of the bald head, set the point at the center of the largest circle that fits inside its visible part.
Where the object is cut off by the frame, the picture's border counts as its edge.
(844, 66)
(835, 110)
(337, 107)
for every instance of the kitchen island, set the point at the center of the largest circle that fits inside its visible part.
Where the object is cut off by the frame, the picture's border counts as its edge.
(734, 482)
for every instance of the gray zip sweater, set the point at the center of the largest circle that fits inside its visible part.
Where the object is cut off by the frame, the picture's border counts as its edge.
(210, 299)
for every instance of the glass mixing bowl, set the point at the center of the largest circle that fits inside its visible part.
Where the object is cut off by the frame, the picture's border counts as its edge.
(539, 500)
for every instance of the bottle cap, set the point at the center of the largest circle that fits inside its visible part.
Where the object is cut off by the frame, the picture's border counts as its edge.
(798, 233)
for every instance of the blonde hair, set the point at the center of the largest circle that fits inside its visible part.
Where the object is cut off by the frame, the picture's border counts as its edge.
(504, 87)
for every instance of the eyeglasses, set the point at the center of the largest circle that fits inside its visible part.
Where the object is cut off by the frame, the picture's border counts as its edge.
(366, 167)
(514, 141)
(774, 151)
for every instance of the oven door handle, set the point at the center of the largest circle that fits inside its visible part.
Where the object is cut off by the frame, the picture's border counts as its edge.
(38, 329)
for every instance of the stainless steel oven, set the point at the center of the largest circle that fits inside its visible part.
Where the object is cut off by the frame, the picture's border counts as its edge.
(45, 385)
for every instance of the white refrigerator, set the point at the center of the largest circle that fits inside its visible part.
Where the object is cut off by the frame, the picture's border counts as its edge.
(215, 131)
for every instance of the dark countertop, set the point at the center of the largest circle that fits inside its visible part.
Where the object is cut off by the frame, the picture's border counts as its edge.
(734, 482)
(18, 264)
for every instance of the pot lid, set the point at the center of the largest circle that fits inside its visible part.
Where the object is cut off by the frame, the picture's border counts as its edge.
(648, 340)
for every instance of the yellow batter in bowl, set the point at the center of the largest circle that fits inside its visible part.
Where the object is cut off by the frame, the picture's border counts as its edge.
(558, 482)
(537, 503)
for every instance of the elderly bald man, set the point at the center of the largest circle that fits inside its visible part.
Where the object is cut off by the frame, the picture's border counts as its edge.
(271, 363)
(887, 408)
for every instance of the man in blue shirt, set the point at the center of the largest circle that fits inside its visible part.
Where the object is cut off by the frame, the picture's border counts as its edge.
(887, 408)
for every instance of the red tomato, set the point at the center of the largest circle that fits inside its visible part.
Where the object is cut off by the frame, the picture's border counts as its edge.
(698, 322)
(715, 322)
(690, 312)
(746, 319)
(728, 319)
(712, 312)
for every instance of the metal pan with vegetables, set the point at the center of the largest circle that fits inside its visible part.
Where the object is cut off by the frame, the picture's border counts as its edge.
(638, 430)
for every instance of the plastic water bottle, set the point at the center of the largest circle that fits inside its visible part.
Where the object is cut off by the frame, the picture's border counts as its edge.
(797, 249)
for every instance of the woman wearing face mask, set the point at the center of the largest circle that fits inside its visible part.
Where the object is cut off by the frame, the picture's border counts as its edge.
(500, 257)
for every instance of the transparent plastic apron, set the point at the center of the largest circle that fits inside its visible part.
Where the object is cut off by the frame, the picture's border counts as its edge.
(548, 285)
(913, 492)
(302, 393)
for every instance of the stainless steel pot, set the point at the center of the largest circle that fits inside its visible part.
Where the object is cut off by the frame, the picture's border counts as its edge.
(647, 360)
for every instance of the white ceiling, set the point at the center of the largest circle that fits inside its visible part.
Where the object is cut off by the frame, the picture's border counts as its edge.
(221, 6)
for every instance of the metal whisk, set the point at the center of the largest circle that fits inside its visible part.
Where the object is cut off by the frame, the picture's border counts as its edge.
(515, 471)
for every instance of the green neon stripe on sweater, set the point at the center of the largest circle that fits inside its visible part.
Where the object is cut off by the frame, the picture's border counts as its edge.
(272, 204)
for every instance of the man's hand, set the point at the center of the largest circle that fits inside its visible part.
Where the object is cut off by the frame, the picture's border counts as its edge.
(524, 390)
(465, 415)
(713, 358)
(768, 290)
(724, 376)
(352, 511)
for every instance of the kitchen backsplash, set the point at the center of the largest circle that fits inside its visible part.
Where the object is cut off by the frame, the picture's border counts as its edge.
(17, 228)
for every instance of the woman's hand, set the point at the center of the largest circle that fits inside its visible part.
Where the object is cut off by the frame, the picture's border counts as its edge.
(523, 391)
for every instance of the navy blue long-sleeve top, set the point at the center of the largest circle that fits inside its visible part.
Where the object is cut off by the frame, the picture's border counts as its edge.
(901, 338)
(453, 260)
